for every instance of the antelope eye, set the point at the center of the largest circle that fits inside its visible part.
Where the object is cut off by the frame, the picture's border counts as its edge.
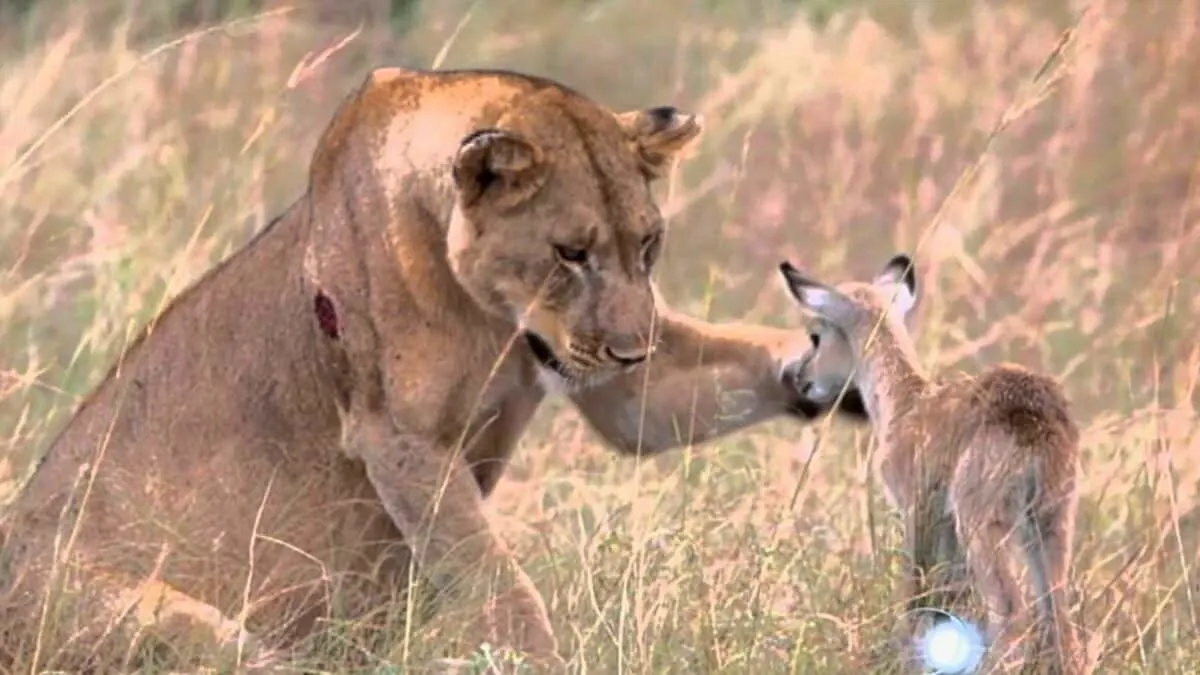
(816, 339)
(651, 245)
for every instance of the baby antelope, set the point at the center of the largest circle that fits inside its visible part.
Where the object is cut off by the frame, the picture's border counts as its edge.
(982, 469)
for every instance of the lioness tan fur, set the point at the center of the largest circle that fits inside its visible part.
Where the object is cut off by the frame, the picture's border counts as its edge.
(338, 397)
(984, 466)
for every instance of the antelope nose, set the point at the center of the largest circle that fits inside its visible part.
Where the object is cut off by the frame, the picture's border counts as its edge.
(627, 357)
(815, 391)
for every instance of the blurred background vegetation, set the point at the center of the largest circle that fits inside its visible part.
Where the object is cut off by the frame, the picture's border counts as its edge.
(141, 142)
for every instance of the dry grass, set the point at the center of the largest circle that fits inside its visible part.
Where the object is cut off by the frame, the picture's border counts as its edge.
(125, 172)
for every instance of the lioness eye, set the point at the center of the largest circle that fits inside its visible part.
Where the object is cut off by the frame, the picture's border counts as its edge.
(575, 256)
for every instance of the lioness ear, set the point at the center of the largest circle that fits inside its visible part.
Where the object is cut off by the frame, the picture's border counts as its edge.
(900, 274)
(499, 164)
(659, 135)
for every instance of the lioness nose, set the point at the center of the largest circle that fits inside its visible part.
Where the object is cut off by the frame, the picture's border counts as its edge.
(627, 357)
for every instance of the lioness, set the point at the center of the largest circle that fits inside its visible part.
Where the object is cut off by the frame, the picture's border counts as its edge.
(344, 392)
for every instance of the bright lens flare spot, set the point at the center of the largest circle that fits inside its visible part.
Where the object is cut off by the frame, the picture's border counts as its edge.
(952, 647)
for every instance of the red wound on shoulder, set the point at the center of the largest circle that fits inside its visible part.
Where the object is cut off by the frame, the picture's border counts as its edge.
(327, 317)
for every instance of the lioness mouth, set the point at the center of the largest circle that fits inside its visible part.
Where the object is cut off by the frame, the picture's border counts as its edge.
(545, 355)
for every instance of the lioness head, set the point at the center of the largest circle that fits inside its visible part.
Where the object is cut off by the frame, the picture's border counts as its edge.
(556, 228)
(847, 317)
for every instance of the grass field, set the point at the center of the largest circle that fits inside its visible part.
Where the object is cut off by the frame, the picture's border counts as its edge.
(1048, 188)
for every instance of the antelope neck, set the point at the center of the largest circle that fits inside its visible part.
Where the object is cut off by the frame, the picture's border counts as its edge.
(887, 373)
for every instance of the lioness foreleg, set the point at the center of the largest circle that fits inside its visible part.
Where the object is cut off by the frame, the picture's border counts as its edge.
(436, 504)
(704, 381)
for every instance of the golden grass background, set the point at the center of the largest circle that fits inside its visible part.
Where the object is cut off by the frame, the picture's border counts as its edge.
(137, 149)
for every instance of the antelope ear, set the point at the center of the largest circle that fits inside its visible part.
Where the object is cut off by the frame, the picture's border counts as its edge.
(659, 135)
(900, 276)
(499, 165)
(810, 293)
